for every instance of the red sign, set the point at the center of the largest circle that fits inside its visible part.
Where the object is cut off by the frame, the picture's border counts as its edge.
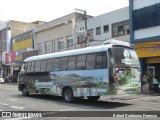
(10, 57)
(156, 47)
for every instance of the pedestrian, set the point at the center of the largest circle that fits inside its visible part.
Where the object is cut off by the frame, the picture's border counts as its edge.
(155, 85)
(6, 78)
(150, 80)
(145, 83)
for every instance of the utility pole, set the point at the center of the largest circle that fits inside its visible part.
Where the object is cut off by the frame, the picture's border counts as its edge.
(85, 24)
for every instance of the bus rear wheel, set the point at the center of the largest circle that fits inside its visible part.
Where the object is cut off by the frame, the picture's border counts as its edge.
(93, 98)
(25, 91)
(68, 95)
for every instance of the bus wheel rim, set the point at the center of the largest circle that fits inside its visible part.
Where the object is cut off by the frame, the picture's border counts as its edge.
(68, 95)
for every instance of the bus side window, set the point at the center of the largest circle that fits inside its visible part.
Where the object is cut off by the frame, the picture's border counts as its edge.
(29, 66)
(64, 63)
(98, 63)
(90, 62)
(43, 65)
(32, 66)
(37, 65)
(49, 66)
(56, 64)
(72, 63)
(81, 62)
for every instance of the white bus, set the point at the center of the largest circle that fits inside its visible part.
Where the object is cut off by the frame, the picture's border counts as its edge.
(109, 69)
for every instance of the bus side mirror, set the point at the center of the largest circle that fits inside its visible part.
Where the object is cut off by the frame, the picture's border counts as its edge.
(20, 67)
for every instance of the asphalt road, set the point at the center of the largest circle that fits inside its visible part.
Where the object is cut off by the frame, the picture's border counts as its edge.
(12, 100)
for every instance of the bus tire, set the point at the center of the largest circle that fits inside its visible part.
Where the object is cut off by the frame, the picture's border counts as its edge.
(68, 95)
(25, 91)
(93, 98)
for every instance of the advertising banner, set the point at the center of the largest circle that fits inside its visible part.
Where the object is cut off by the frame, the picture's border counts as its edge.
(10, 57)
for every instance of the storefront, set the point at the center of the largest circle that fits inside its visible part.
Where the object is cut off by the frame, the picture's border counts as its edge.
(20, 43)
(149, 57)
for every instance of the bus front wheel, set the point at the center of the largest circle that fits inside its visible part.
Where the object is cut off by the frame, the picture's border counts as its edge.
(68, 95)
(25, 91)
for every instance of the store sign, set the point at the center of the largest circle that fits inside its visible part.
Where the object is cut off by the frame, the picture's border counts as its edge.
(148, 49)
(10, 57)
(22, 41)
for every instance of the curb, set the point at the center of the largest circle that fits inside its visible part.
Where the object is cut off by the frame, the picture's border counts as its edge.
(10, 83)
(129, 96)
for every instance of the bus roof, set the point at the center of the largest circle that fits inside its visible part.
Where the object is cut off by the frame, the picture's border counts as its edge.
(67, 53)
(116, 42)
(90, 49)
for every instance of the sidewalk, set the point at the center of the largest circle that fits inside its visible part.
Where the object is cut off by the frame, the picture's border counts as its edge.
(141, 96)
(9, 86)
(10, 83)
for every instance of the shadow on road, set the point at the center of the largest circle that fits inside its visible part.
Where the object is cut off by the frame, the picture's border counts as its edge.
(79, 102)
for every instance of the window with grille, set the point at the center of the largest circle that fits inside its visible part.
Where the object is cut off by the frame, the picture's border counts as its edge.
(40, 48)
(98, 30)
(60, 44)
(69, 41)
(106, 28)
(120, 28)
(47, 47)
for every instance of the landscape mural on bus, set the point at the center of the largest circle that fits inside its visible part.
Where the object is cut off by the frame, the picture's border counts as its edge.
(127, 81)
(83, 83)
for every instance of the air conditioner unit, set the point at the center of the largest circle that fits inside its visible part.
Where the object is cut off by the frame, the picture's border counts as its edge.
(82, 33)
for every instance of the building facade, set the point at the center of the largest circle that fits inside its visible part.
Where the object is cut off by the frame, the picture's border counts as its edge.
(20, 43)
(57, 35)
(114, 24)
(8, 29)
(145, 35)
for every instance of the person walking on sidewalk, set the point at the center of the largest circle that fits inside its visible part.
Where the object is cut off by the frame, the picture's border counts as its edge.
(155, 85)
(145, 83)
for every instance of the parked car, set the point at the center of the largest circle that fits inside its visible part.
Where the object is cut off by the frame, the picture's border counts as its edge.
(1, 79)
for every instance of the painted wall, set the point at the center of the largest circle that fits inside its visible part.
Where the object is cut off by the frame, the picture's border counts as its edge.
(54, 30)
(148, 32)
(143, 3)
(143, 34)
(54, 34)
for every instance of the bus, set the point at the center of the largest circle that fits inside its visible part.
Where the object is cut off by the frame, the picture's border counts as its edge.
(109, 69)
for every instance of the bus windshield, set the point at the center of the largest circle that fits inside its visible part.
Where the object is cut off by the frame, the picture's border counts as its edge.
(127, 69)
(125, 57)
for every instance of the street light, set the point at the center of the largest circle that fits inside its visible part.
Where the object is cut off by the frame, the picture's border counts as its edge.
(85, 23)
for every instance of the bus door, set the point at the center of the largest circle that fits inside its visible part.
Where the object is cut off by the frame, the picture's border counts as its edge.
(111, 70)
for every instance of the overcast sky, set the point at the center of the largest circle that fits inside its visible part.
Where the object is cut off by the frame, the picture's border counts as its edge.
(47, 10)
